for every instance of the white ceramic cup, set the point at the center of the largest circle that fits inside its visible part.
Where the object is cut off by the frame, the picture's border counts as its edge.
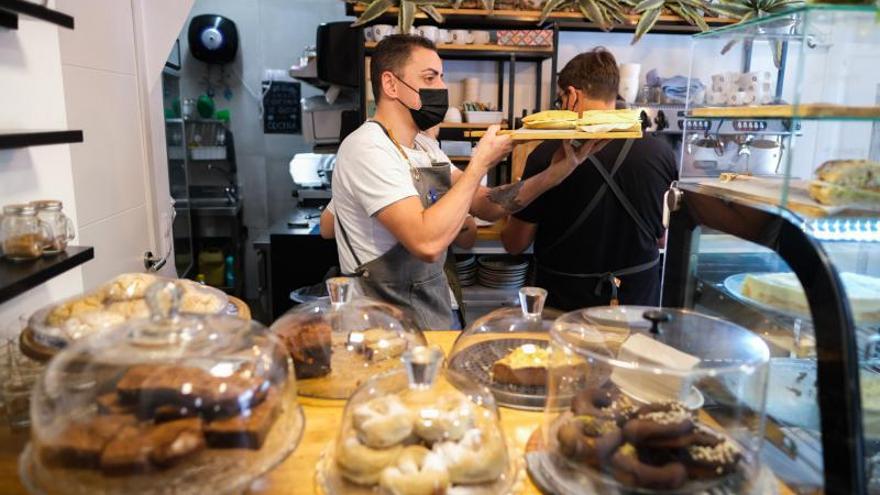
(443, 36)
(380, 31)
(453, 114)
(628, 87)
(765, 157)
(368, 34)
(480, 37)
(429, 32)
(460, 37)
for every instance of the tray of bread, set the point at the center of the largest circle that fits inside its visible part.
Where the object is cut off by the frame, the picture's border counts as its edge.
(421, 429)
(113, 303)
(174, 403)
(565, 124)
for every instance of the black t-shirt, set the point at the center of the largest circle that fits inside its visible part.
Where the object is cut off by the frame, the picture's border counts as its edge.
(609, 239)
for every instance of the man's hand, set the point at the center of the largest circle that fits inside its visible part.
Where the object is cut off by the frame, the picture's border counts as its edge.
(567, 158)
(492, 148)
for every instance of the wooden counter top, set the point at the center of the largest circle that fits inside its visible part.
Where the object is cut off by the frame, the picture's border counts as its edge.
(296, 475)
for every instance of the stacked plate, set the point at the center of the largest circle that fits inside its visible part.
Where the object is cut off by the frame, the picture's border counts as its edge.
(466, 266)
(502, 272)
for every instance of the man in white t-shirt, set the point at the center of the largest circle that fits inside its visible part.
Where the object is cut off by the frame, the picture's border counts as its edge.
(398, 203)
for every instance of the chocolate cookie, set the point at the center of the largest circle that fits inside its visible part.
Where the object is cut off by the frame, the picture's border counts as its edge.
(588, 439)
(629, 470)
(665, 425)
(605, 401)
(713, 458)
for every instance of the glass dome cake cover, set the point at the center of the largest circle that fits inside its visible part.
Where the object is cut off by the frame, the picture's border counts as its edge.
(339, 343)
(173, 403)
(419, 430)
(507, 351)
(655, 406)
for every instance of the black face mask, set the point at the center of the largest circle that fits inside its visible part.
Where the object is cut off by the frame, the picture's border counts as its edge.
(435, 103)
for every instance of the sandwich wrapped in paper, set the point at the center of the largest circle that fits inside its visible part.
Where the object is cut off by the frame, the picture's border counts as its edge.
(840, 182)
(551, 119)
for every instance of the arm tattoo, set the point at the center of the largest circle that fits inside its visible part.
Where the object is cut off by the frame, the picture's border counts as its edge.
(506, 196)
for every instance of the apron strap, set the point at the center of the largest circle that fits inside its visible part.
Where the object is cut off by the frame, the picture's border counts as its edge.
(607, 277)
(348, 244)
(591, 206)
(627, 205)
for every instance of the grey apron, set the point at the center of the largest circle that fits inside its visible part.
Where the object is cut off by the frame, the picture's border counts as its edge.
(398, 277)
(610, 277)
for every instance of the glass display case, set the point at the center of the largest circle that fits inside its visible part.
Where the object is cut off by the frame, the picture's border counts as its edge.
(786, 241)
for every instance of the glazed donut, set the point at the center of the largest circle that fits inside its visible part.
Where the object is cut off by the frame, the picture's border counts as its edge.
(660, 425)
(589, 439)
(629, 470)
(382, 422)
(363, 465)
(605, 401)
(447, 419)
(417, 471)
(479, 457)
(712, 461)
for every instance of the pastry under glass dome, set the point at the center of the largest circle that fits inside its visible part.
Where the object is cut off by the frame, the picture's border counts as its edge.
(656, 405)
(174, 403)
(507, 351)
(338, 343)
(419, 430)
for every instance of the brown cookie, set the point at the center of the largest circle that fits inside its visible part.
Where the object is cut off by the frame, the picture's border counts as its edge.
(664, 425)
(589, 440)
(712, 461)
(629, 470)
(605, 401)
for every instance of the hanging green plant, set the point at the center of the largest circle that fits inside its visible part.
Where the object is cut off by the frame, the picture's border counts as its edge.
(604, 13)
(487, 4)
(691, 11)
(749, 9)
(406, 13)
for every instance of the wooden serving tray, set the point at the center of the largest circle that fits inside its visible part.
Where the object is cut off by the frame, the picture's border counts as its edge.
(548, 134)
(806, 110)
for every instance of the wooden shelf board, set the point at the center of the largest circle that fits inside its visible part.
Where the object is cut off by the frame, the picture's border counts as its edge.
(17, 277)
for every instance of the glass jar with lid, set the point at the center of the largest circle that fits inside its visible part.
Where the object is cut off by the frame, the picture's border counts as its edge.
(339, 342)
(61, 230)
(22, 234)
(669, 402)
(507, 351)
(420, 429)
(174, 403)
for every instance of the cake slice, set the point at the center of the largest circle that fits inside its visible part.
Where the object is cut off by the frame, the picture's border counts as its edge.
(527, 365)
(783, 291)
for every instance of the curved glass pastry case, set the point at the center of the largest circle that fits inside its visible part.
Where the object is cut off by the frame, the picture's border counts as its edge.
(784, 238)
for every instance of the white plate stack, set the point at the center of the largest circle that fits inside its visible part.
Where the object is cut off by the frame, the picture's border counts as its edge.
(502, 272)
(466, 266)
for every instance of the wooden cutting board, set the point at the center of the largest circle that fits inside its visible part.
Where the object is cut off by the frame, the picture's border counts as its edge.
(544, 135)
(769, 190)
(788, 111)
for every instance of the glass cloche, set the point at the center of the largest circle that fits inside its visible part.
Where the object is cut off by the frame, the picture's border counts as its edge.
(507, 351)
(338, 343)
(419, 430)
(670, 403)
(173, 403)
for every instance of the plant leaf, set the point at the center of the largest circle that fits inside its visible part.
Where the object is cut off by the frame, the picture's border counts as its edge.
(646, 22)
(690, 15)
(549, 7)
(406, 17)
(730, 44)
(489, 4)
(432, 13)
(373, 11)
(735, 11)
(591, 10)
(648, 5)
(456, 4)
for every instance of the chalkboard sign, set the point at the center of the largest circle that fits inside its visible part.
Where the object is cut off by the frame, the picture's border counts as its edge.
(282, 113)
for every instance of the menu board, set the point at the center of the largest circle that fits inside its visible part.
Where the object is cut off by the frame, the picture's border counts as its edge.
(282, 112)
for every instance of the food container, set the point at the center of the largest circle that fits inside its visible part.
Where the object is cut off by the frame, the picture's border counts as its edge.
(117, 301)
(487, 117)
(22, 234)
(338, 343)
(174, 403)
(507, 351)
(631, 418)
(420, 429)
(61, 230)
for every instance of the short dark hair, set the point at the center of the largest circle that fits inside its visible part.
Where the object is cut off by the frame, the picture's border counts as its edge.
(594, 72)
(391, 54)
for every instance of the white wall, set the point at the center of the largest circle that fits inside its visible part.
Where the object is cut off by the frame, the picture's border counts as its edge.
(32, 97)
